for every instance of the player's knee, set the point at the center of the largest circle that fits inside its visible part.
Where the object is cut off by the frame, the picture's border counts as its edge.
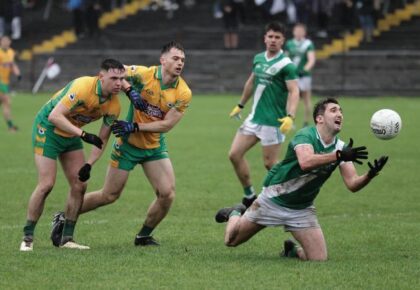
(166, 196)
(111, 197)
(46, 187)
(234, 156)
(319, 256)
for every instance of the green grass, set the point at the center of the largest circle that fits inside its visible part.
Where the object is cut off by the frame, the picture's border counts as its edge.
(372, 236)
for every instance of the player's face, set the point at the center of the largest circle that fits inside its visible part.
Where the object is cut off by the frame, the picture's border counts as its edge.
(111, 81)
(173, 62)
(332, 118)
(5, 42)
(299, 32)
(273, 41)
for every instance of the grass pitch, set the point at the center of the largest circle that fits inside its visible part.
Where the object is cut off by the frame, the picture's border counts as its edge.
(372, 236)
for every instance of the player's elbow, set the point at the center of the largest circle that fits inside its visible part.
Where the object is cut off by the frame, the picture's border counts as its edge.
(53, 118)
(304, 165)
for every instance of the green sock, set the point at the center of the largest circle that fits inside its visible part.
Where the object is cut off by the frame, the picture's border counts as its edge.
(68, 229)
(145, 231)
(249, 191)
(234, 213)
(293, 253)
(9, 123)
(29, 228)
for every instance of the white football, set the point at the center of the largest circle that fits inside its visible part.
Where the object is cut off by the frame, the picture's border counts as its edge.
(385, 124)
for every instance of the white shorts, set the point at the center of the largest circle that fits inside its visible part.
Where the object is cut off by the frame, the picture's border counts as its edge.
(305, 83)
(268, 135)
(266, 213)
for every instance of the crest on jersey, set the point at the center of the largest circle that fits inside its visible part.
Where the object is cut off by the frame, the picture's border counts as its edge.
(72, 96)
(41, 131)
(133, 68)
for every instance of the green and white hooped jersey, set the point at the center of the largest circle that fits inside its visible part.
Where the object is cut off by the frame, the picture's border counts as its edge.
(287, 184)
(270, 90)
(298, 53)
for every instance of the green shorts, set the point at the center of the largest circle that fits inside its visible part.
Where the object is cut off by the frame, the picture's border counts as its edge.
(126, 156)
(4, 88)
(46, 143)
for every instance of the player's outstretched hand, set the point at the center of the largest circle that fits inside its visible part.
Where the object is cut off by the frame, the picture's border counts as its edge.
(122, 128)
(92, 139)
(136, 99)
(84, 172)
(352, 154)
(377, 166)
(286, 124)
(236, 112)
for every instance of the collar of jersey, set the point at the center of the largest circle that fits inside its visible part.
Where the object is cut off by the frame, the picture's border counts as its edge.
(274, 57)
(99, 92)
(158, 75)
(322, 141)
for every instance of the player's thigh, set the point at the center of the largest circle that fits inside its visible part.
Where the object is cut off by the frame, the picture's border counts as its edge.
(313, 243)
(4, 98)
(115, 181)
(270, 153)
(160, 174)
(242, 143)
(71, 162)
(47, 169)
(244, 230)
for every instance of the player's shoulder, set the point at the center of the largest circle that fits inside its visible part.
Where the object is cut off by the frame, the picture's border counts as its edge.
(138, 69)
(259, 56)
(183, 88)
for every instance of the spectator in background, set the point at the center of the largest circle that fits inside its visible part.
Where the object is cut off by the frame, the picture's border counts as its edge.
(303, 11)
(16, 26)
(76, 7)
(230, 20)
(365, 12)
(93, 12)
(323, 8)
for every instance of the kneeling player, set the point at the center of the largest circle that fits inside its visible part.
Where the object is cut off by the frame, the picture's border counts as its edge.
(292, 185)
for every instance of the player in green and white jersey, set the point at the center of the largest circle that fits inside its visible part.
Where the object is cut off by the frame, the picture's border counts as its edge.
(292, 185)
(302, 52)
(273, 84)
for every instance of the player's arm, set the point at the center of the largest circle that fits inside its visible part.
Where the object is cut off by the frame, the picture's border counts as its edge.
(59, 119)
(308, 160)
(246, 95)
(311, 60)
(355, 182)
(96, 153)
(122, 128)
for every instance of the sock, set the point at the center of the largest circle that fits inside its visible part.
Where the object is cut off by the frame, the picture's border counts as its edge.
(249, 192)
(145, 231)
(293, 253)
(9, 123)
(68, 229)
(29, 228)
(234, 213)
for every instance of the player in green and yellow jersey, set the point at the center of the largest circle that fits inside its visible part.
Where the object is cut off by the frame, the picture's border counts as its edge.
(57, 133)
(7, 66)
(164, 97)
(292, 185)
(302, 52)
(273, 84)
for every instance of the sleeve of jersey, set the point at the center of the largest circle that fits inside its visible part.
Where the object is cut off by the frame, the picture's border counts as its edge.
(300, 139)
(134, 73)
(73, 97)
(311, 47)
(183, 101)
(290, 72)
(113, 113)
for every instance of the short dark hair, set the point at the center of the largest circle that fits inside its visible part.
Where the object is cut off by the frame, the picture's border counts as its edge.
(275, 26)
(172, 44)
(319, 108)
(110, 63)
